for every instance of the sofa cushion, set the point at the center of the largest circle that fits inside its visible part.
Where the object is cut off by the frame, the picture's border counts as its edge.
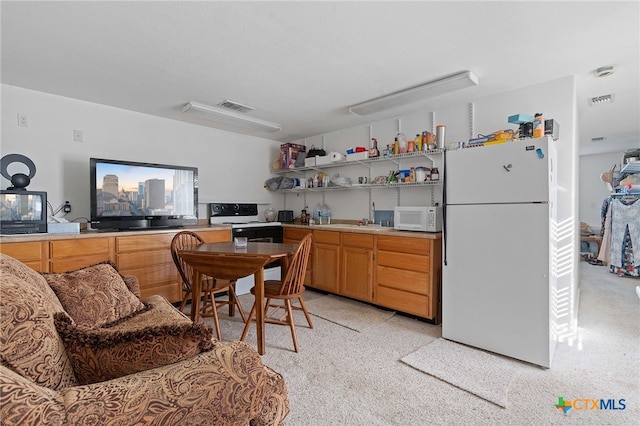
(29, 342)
(22, 402)
(147, 341)
(95, 295)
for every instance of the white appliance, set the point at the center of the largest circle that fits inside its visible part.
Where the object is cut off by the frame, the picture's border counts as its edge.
(425, 219)
(497, 250)
(245, 222)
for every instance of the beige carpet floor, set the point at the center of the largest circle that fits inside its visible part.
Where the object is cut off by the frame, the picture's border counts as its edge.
(479, 372)
(345, 377)
(347, 313)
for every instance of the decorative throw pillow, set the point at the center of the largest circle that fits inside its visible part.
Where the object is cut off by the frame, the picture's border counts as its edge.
(99, 354)
(95, 295)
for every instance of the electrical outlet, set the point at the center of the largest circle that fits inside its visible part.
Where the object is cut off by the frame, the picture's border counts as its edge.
(23, 120)
(67, 207)
(77, 136)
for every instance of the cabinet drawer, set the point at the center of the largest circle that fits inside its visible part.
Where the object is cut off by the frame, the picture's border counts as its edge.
(81, 247)
(400, 279)
(172, 292)
(419, 246)
(143, 242)
(144, 259)
(33, 253)
(217, 236)
(357, 240)
(154, 276)
(405, 261)
(410, 303)
(295, 233)
(326, 237)
(74, 263)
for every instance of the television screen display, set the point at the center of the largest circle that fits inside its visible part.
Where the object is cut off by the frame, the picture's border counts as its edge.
(127, 195)
(23, 212)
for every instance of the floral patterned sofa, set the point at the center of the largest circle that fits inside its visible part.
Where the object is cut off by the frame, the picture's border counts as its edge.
(81, 348)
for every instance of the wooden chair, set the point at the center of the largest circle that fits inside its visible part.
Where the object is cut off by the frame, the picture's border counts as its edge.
(292, 287)
(210, 286)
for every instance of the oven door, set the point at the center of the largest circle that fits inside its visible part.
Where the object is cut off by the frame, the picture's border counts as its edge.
(262, 234)
(268, 234)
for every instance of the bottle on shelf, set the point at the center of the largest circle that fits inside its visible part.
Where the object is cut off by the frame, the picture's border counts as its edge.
(373, 152)
(538, 125)
(435, 174)
(396, 147)
(418, 141)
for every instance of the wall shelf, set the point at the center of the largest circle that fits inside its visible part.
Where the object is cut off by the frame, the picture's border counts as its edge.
(366, 163)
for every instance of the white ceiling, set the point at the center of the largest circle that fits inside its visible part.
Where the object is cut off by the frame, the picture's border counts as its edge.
(301, 64)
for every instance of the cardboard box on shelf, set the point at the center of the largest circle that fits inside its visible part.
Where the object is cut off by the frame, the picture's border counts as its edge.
(310, 161)
(289, 154)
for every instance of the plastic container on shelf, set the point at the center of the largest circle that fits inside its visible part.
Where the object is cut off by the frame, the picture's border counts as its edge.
(538, 125)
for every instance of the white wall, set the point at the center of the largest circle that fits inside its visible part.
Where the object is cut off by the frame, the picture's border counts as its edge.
(592, 190)
(231, 167)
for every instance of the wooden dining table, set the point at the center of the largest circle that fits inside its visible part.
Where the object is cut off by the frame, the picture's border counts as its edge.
(228, 262)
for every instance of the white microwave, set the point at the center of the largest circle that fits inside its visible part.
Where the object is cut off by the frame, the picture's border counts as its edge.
(424, 219)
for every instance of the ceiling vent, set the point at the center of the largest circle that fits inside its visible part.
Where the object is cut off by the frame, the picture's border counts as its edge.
(604, 71)
(600, 139)
(601, 100)
(235, 106)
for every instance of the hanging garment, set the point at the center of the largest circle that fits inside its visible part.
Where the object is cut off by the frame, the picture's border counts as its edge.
(625, 237)
(605, 231)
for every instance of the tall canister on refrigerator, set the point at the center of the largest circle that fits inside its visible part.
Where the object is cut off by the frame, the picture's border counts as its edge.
(538, 126)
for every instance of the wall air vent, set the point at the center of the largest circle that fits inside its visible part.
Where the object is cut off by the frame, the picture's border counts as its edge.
(235, 106)
(601, 100)
(599, 139)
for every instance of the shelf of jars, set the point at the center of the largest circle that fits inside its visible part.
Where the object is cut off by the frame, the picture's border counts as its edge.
(366, 162)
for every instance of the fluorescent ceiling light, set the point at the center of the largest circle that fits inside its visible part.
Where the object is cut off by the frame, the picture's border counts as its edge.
(415, 94)
(230, 117)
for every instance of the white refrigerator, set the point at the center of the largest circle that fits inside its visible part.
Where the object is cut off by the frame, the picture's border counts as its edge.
(496, 278)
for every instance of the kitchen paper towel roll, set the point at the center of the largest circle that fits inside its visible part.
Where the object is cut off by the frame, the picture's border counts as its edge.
(336, 157)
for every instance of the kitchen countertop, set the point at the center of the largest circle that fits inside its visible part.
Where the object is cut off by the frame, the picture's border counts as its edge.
(338, 227)
(106, 233)
(376, 230)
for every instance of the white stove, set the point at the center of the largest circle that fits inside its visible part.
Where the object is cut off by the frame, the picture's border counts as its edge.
(244, 222)
(237, 215)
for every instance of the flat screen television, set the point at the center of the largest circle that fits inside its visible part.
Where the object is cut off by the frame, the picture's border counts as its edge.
(23, 212)
(131, 195)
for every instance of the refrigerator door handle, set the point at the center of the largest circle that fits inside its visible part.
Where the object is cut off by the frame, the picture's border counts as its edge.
(444, 208)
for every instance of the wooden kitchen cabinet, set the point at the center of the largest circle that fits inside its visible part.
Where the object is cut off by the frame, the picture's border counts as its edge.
(408, 275)
(326, 260)
(294, 236)
(145, 254)
(356, 264)
(76, 253)
(34, 254)
(148, 257)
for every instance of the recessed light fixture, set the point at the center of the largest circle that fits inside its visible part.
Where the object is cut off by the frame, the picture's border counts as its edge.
(230, 116)
(601, 100)
(604, 71)
(418, 93)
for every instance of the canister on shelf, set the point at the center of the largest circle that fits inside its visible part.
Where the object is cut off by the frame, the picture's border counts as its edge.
(435, 174)
(440, 130)
(538, 126)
